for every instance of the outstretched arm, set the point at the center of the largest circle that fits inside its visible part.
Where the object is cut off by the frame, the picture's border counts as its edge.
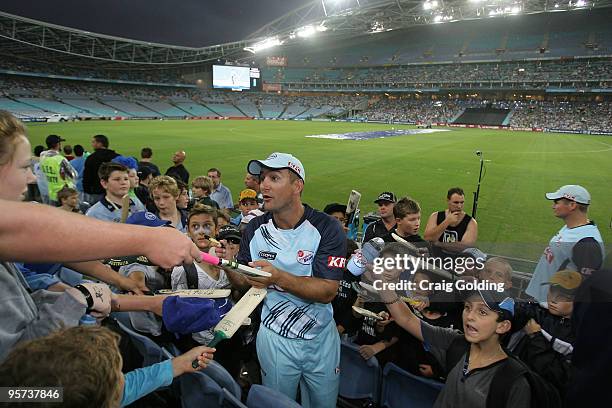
(19, 222)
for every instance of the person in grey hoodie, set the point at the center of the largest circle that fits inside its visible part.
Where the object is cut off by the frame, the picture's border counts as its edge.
(26, 314)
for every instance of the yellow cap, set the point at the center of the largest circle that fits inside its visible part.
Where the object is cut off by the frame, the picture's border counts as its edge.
(568, 280)
(247, 193)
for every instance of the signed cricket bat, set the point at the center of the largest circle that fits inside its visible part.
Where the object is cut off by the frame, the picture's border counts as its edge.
(232, 321)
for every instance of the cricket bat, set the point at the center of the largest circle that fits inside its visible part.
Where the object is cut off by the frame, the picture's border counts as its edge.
(352, 206)
(352, 214)
(232, 321)
(208, 258)
(199, 293)
(125, 208)
(367, 313)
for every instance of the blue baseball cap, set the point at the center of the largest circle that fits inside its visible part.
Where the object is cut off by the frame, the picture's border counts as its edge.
(186, 315)
(128, 162)
(499, 302)
(148, 219)
(278, 161)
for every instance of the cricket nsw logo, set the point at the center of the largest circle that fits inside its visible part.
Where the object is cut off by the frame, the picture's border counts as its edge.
(336, 262)
(305, 257)
(267, 255)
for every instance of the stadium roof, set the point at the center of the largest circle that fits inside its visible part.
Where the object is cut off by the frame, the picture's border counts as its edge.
(44, 42)
(21, 37)
(347, 18)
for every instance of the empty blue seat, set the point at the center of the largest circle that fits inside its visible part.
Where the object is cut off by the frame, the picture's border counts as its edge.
(264, 397)
(230, 401)
(218, 373)
(404, 390)
(151, 352)
(359, 378)
(199, 390)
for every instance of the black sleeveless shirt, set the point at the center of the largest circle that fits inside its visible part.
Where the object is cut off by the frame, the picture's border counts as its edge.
(453, 234)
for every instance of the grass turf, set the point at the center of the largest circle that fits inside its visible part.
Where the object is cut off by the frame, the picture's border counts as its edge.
(513, 216)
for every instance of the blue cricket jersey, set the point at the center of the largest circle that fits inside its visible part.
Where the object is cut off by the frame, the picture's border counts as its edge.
(316, 247)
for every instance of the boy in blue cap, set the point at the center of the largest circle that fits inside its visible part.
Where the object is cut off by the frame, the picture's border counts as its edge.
(486, 319)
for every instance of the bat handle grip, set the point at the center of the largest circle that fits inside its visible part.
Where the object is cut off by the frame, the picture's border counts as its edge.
(218, 337)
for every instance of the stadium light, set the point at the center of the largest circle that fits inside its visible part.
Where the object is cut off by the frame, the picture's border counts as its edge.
(306, 31)
(262, 45)
(430, 5)
(580, 3)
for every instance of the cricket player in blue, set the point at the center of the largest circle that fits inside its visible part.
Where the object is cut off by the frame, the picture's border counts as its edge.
(304, 250)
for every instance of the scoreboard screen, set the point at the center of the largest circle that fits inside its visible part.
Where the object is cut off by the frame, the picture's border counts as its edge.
(236, 78)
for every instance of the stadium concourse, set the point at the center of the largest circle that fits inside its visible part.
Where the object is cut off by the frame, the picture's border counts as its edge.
(463, 329)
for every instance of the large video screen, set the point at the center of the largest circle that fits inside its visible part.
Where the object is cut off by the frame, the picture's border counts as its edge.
(231, 77)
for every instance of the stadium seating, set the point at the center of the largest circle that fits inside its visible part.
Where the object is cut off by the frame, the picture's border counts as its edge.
(230, 401)
(218, 373)
(359, 378)
(150, 351)
(264, 397)
(402, 389)
(199, 390)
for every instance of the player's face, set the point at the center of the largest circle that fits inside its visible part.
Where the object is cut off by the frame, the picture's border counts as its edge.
(562, 207)
(277, 188)
(164, 201)
(409, 225)
(117, 185)
(17, 173)
(385, 208)
(201, 226)
(455, 203)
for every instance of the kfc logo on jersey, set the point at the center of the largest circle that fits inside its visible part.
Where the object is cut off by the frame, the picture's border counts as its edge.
(336, 262)
(305, 257)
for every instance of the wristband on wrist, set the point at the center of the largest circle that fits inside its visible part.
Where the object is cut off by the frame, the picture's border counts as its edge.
(397, 299)
(88, 297)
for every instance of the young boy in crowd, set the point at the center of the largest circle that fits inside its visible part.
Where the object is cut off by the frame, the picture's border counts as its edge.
(68, 199)
(142, 190)
(497, 270)
(223, 217)
(201, 187)
(182, 203)
(487, 317)
(152, 278)
(342, 304)
(412, 355)
(165, 193)
(545, 343)
(202, 226)
(115, 181)
(247, 201)
(407, 214)
(86, 363)
(337, 211)
(229, 236)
